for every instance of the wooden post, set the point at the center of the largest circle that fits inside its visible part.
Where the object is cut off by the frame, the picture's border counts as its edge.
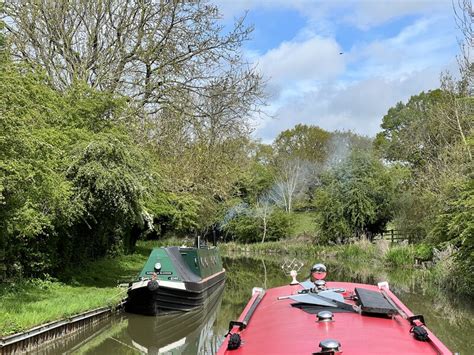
(391, 232)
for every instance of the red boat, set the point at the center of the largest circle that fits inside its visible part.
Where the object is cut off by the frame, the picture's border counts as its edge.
(315, 317)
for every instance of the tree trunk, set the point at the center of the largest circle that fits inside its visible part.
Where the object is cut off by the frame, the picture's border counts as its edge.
(264, 229)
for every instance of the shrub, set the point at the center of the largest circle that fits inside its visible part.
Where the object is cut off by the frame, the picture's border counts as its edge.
(246, 228)
(400, 256)
(423, 252)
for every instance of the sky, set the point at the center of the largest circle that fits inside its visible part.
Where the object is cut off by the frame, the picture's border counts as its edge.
(391, 50)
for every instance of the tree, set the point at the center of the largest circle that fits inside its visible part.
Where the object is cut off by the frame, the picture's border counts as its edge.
(463, 15)
(263, 210)
(152, 51)
(290, 180)
(303, 142)
(71, 178)
(247, 226)
(410, 131)
(355, 199)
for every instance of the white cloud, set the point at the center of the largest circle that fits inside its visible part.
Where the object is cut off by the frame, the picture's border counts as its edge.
(425, 43)
(314, 59)
(363, 14)
(370, 13)
(359, 106)
(311, 83)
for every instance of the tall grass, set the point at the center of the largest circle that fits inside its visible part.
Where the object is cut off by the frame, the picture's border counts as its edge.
(400, 256)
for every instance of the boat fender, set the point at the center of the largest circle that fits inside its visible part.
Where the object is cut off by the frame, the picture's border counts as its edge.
(153, 285)
(419, 333)
(417, 329)
(234, 341)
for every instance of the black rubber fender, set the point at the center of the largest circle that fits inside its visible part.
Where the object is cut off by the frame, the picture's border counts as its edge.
(153, 285)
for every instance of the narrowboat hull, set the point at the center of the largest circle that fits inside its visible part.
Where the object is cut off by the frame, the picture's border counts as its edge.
(273, 323)
(175, 279)
(178, 297)
(180, 331)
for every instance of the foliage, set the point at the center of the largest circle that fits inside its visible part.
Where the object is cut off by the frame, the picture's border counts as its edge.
(432, 136)
(423, 252)
(407, 135)
(108, 181)
(258, 176)
(454, 224)
(248, 228)
(355, 199)
(176, 213)
(400, 256)
(303, 142)
(71, 180)
(455, 220)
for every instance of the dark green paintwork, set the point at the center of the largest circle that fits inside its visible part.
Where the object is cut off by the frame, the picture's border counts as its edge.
(203, 262)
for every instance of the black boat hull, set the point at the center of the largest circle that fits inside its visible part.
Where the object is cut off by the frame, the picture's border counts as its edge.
(163, 300)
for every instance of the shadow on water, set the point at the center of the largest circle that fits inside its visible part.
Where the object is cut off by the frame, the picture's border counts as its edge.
(202, 331)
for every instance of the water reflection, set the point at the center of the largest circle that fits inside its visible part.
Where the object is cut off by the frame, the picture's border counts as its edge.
(202, 331)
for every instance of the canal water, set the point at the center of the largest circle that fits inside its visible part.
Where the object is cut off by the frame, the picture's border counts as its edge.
(202, 331)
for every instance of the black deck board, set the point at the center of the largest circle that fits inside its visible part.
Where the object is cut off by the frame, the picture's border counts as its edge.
(374, 302)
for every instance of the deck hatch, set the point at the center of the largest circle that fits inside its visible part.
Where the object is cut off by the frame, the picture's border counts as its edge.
(374, 302)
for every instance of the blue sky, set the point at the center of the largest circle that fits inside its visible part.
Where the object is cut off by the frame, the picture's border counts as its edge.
(391, 50)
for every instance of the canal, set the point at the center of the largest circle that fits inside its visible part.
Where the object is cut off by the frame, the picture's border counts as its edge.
(202, 331)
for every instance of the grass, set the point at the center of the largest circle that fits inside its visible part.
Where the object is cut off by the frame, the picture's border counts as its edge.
(28, 303)
(303, 223)
(400, 256)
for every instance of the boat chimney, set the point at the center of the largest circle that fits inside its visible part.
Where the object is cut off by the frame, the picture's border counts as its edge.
(329, 345)
(318, 272)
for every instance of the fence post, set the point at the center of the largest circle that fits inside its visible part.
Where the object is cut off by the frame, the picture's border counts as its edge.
(391, 233)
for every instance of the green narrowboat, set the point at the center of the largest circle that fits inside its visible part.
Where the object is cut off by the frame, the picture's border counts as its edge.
(175, 279)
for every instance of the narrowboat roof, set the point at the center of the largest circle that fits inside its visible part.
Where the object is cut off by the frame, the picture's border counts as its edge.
(278, 327)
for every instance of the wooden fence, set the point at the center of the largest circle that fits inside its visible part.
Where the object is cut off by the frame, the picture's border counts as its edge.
(397, 236)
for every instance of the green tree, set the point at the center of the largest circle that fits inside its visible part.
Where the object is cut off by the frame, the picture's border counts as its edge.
(71, 180)
(355, 199)
(307, 143)
(249, 227)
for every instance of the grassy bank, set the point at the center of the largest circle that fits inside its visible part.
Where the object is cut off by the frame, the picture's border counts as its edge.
(27, 303)
(358, 252)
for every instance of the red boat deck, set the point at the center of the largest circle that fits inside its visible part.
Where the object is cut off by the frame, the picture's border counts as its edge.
(278, 328)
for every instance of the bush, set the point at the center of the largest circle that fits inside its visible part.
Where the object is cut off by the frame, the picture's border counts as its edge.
(360, 251)
(355, 199)
(423, 252)
(247, 228)
(400, 256)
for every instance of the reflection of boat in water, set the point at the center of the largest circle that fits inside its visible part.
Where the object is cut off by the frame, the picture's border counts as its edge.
(342, 317)
(177, 332)
(175, 278)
